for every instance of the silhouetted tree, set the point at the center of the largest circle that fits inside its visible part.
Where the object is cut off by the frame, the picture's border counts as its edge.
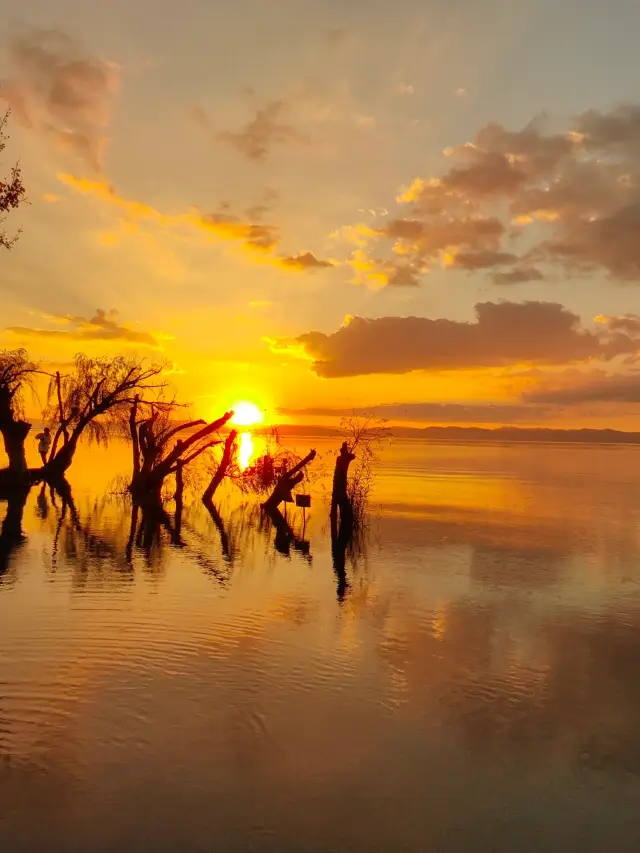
(286, 482)
(227, 458)
(94, 400)
(16, 373)
(350, 494)
(12, 192)
(340, 499)
(158, 452)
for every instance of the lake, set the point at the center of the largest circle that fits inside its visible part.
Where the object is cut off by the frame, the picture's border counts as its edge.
(469, 682)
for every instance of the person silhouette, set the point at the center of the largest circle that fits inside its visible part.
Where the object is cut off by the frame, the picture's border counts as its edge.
(44, 443)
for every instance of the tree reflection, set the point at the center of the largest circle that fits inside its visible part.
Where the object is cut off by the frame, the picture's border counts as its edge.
(285, 536)
(88, 545)
(12, 537)
(104, 539)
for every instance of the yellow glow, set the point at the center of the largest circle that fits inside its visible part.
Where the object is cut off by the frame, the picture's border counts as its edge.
(245, 450)
(246, 414)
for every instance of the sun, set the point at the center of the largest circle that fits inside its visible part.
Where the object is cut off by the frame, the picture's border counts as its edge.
(246, 414)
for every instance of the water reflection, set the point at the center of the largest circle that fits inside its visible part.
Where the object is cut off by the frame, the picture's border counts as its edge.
(474, 686)
(110, 533)
(11, 535)
(245, 450)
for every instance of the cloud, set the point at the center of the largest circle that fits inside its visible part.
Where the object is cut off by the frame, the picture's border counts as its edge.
(437, 413)
(569, 201)
(223, 225)
(620, 388)
(57, 88)
(104, 192)
(619, 128)
(305, 261)
(503, 334)
(103, 326)
(265, 130)
(428, 240)
(629, 323)
(228, 227)
(481, 259)
(519, 275)
(379, 272)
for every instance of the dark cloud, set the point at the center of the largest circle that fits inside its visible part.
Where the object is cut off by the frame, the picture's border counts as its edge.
(519, 275)
(504, 333)
(535, 153)
(482, 259)
(437, 413)
(401, 275)
(305, 261)
(609, 242)
(263, 132)
(103, 326)
(572, 198)
(55, 87)
(618, 128)
(628, 323)
(622, 388)
(428, 240)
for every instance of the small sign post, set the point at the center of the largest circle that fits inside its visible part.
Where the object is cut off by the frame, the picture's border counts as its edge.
(303, 501)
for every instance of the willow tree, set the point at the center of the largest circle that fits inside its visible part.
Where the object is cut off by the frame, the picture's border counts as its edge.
(93, 401)
(16, 373)
(12, 192)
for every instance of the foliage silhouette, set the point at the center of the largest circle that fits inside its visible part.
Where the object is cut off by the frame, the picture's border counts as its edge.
(12, 191)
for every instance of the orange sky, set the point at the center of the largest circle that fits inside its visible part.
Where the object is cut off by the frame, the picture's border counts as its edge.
(431, 210)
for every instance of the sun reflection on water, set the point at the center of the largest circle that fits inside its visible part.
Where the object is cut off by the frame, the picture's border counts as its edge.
(246, 449)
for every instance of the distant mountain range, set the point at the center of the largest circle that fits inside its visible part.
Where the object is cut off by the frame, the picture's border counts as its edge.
(462, 434)
(481, 434)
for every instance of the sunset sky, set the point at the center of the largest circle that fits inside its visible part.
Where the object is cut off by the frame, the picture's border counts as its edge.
(430, 207)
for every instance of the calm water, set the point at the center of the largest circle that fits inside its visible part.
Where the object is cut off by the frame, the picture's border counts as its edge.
(473, 686)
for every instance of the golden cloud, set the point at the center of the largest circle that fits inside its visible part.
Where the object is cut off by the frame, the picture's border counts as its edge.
(222, 225)
(569, 202)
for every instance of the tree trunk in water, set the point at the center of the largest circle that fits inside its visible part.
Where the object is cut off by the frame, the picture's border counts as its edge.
(146, 485)
(287, 482)
(339, 495)
(55, 469)
(147, 489)
(15, 436)
(14, 432)
(179, 497)
(218, 477)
